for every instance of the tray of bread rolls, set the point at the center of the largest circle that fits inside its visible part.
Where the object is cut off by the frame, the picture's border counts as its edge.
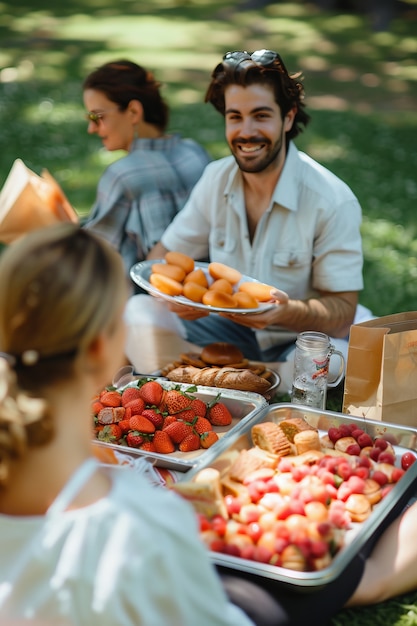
(300, 492)
(222, 364)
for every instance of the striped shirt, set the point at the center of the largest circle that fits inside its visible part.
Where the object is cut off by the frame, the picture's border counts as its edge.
(140, 194)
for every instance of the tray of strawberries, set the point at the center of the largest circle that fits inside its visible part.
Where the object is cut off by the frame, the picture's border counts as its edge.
(176, 426)
(300, 492)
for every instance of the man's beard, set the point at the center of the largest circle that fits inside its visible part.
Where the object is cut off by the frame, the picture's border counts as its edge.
(257, 165)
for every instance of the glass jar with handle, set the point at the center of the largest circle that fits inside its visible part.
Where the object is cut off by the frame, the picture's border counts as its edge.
(313, 351)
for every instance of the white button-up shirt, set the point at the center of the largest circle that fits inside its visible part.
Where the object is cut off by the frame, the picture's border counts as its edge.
(307, 240)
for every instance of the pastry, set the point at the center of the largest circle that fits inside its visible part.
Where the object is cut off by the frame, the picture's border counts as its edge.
(250, 460)
(307, 440)
(293, 425)
(270, 437)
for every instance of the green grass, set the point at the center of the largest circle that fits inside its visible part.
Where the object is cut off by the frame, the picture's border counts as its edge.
(361, 89)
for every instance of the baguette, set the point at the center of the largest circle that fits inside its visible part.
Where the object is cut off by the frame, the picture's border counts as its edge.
(226, 377)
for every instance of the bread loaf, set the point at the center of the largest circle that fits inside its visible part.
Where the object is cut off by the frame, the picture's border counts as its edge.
(226, 377)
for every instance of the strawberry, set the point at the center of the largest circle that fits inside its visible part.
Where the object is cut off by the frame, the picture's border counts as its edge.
(176, 401)
(111, 433)
(187, 415)
(134, 439)
(110, 398)
(129, 394)
(154, 416)
(141, 424)
(149, 446)
(178, 431)
(190, 443)
(163, 442)
(170, 419)
(208, 439)
(125, 425)
(201, 425)
(136, 406)
(96, 407)
(199, 407)
(151, 392)
(218, 414)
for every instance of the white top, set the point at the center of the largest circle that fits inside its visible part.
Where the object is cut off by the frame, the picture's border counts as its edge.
(132, 558)
(309, 238)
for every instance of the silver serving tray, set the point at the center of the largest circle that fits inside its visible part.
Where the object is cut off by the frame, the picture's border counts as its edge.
(403, 438)
(243, 405)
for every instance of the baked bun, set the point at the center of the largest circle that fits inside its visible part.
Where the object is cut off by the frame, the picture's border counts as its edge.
(218, 299)
(306, 440)
(221, 353)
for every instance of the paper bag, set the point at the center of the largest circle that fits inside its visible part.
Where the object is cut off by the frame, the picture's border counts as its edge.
(29, 201)
(381, 369)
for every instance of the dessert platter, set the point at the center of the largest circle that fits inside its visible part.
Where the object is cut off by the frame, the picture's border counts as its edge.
(212, 293)
(300, 492)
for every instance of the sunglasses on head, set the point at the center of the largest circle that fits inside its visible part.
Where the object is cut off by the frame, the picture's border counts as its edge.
(266, 58)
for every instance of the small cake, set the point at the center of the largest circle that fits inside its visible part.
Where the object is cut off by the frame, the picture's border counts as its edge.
(358, 507)
(372, 491)
(250, 460)
(271, 438)
(292, 426)
(307, 440)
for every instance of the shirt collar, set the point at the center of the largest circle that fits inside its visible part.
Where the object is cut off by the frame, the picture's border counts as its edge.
(157, 143)
(286, 190)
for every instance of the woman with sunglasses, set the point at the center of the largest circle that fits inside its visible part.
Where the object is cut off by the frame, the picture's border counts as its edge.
(82, 544)
(139, 194)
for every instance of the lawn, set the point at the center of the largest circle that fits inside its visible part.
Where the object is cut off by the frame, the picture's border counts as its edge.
(361, 89)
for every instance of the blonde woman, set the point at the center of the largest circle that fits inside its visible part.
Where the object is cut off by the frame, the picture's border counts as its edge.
(79, 543)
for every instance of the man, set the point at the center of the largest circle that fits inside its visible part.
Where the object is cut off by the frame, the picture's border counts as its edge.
(273, 213)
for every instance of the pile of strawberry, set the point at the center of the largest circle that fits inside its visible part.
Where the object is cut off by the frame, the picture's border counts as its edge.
(155, 419)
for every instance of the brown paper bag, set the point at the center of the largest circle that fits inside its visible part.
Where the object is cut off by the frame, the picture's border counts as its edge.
(29, 201)
(381, 369)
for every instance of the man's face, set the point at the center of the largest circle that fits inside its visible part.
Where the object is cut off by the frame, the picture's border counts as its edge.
(255, 130)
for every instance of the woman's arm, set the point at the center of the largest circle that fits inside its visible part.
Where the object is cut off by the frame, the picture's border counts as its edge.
(391, 569)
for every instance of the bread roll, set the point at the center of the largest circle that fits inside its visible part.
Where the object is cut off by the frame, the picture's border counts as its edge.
(223, 285)
(260, 291)
(181, 259)
(221, 353)
(220, 270)
(167, 269)
(165, 284)
(245, 300)
(197, 276)
(218, 299)
(307, 440)
(193, 291)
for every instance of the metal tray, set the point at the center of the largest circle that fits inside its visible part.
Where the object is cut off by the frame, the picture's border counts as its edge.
(243, 405)
(401, 437)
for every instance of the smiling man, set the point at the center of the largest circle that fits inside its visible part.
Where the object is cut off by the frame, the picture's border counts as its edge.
(272, 212)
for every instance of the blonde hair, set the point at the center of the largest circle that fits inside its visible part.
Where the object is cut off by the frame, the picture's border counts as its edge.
(60, 287)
